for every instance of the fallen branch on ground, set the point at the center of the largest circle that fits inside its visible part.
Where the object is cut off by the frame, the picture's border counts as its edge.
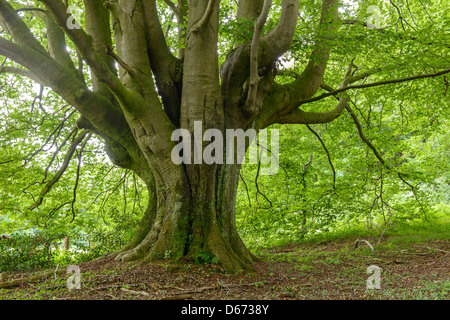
(437, 249)
(365, 241)
(135, 292)
(18, 282)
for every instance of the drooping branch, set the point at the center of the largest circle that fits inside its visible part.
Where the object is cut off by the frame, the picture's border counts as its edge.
(327, 152)
(413, 190)
(55, 134)
(61, 170)
(362, 136)
(58, 149)
(77, 177)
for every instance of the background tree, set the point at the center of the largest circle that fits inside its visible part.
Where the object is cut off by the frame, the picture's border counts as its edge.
(136, 91)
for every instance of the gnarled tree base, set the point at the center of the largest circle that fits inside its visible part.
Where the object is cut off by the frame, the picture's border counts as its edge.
(198, 224)
(214, 248)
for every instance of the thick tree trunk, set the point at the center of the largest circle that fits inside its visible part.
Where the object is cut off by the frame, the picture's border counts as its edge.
(196, 222)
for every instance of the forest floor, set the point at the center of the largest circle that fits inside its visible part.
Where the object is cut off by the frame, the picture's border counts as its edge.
(327, 270)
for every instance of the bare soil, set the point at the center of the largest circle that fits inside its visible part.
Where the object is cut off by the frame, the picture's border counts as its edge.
(318, 271)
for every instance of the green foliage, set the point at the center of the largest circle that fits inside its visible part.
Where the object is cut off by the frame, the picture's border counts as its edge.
(26, 252)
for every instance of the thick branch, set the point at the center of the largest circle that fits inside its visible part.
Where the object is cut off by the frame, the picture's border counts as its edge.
(249, 9)
(235, 71)
(165, 66)
(57, 43)
(21, 72)
(85, 46)
(98, 26)
(310, 79)
(206, 16)
(18, 30)
(250, 105)
(299, 116)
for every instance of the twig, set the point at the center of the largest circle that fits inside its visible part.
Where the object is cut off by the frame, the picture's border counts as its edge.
(437, 249)
(328, 154)
(135, 292)
(56, 270)
(365, 241)
(110, 52)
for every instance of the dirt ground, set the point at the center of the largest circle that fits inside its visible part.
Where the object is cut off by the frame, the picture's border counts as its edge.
(319, 271)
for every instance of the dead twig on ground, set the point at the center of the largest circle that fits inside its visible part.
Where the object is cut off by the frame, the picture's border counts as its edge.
(135, 292)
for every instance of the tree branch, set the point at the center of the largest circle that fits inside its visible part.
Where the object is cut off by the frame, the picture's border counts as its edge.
(165, 67)
(85, 46)
(327, 152)
(110, 52)
(61, 170)
(75, 187)
(174, 8)
(206, 16)
(57, 43)
(235, 70)
(301, 117)
(98, 26)
(375, 84)
(310, 79)
(21, 72)
(250, 106)
(18, 30)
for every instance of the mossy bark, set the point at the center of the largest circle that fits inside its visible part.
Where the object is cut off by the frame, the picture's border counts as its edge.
(197, 223)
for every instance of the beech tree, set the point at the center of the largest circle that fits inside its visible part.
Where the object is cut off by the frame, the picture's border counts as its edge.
(138, 88)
